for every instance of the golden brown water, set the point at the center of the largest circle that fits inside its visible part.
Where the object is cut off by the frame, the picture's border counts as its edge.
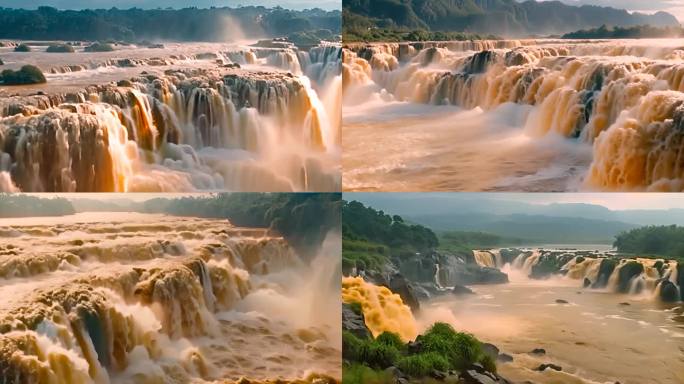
(159, 299)
(513, 115)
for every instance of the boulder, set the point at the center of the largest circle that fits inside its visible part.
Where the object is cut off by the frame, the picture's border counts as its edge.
(402, 287)
(415, 347)
(504, 358)
(438, 375)
(544, 367)
(538, 351)
(680, 279)
(462, 290)
(587, 283)
(561, 301)
(626, 273)
(395, 372)
(491, 350)
(669, 292)
(477, 374)
(354, 322)
(606, 269)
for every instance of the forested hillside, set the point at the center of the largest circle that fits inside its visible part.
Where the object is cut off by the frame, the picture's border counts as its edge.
(190, 24)
(370, 237)
(304, 219)
(500, 17)
(15, 205)
(667, 241)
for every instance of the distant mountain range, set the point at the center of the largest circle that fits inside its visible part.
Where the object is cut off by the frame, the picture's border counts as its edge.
(500, 17)
(551, 223)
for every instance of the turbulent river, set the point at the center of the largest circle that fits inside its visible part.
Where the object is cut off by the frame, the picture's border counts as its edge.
(158, 299)
(616, 329)
(179, 117)
(528, 115)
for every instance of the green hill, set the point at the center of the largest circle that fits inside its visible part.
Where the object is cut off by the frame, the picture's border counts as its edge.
(500, 17)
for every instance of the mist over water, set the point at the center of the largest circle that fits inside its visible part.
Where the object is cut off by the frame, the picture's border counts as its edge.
(598, 335)
(185, 117)
(159, 299)
(524, 115)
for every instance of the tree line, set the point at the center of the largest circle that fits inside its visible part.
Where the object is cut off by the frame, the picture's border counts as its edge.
(189, 24)
(304, 219)
(667, 241)
(14, 205)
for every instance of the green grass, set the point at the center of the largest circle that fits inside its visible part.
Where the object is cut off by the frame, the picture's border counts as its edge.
(363, 254)
(423, 364)
(360, 374)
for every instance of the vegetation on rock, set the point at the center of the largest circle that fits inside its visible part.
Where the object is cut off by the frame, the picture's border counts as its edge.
(99, 47)
(60, 48)
(28, 74)
(22, 48)
(440, 348)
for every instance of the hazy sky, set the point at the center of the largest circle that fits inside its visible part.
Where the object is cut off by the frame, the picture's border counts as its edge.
(675, 7)
(125, 4)
(615, 201)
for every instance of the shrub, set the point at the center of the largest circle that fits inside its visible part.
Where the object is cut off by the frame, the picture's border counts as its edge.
(22, 48)
(351, 346)
(378, 355)
(356, 307)
(60, 48)
(390, 339)
(361, 374)
(460, 349)
(99, 47)
(28, 74)
(423, 364)
(488, 363)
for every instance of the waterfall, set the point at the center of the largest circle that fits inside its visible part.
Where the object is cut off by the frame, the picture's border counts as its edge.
(485, 259)
(186, 130)
(599, 270)
(132, 306)
(382, 309)
(626, 101)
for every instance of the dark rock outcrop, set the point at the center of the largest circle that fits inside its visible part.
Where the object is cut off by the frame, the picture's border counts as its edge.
(354, 322)
(477, 374)
(669, 292)
(401, 286)
(544, 367)
(626, 273)
(605, 270)
(462, 290)
(538, 351)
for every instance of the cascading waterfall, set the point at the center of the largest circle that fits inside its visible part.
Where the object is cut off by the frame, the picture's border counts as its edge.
(109, 303)
(185, 130)
(490, 259)
(382, 309)
(657, 277)
(625, 100)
